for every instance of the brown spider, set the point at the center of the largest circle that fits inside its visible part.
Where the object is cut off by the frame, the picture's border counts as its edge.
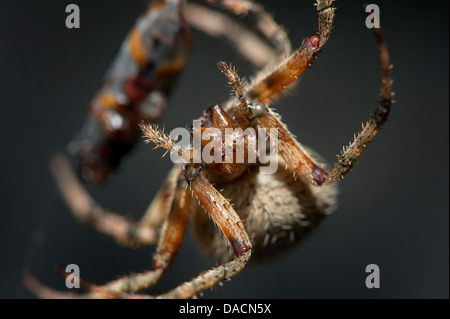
(258, 214)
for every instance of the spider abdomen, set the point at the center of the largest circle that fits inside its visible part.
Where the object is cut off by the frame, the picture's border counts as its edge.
(278, 211)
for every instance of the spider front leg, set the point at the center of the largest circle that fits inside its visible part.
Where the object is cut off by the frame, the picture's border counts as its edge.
(298, 159)
(263, 90)
(290, 150)
(266, 87)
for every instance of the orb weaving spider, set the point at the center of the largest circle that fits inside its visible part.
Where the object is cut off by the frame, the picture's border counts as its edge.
(257, 214)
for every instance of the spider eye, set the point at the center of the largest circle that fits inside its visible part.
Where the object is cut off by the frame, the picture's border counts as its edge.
(190, 171)
(257, 109)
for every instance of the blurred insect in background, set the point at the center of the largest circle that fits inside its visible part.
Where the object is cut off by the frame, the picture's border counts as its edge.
(135, 88)
(258, 215)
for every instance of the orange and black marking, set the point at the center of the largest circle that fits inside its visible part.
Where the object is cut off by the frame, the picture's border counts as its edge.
(134, 89)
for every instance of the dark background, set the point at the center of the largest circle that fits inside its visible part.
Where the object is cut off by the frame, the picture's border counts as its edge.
(393, 207)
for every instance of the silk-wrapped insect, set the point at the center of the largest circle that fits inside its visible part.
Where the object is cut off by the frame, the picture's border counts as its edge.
(135, 88)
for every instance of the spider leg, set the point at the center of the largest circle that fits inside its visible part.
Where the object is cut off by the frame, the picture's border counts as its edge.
(237, 84)
(159, 208)
(172, 235)
(268, 86)
(171, 238)
(217, 24)
(175, 226)
(231, 226)
(290, 150)
(220, 211)
(264, 22)
(42, 291)
(298, 159)
(352, 152)
(208, 279)
(85, 209)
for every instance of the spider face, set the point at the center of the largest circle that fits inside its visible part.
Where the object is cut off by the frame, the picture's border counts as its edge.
(239, 212)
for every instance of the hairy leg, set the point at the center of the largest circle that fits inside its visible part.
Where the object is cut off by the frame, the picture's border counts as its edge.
(172, 235)
(352, 152)
(85, 209)
(290, 150)
(231, 226)
(297, 158)
(243, 40)
(263, 21)
(159, 208)
(268, 85)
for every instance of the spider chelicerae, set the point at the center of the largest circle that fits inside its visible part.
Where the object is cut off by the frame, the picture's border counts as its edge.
(237, 212)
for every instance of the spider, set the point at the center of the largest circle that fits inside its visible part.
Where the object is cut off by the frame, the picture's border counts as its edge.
(254, 215)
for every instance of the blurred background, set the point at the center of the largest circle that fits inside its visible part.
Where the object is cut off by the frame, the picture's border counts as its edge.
(393, 208)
